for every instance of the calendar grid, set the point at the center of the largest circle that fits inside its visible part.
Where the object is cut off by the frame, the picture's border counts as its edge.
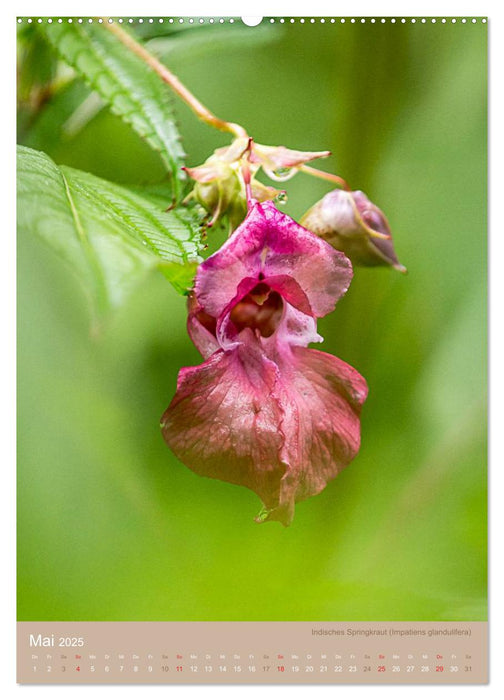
(245, 652)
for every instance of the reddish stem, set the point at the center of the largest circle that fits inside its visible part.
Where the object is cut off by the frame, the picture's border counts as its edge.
(326, 176)
(168, 77)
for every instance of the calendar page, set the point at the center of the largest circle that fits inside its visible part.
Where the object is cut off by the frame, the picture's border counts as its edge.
(252, 394)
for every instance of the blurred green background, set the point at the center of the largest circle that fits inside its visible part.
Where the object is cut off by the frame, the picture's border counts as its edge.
(110, 525)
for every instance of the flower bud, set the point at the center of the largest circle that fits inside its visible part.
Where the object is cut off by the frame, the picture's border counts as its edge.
(220, 185)
(350, 222)
(222, 195)
(220, 188)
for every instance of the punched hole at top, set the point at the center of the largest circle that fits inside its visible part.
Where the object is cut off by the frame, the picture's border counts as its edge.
(251, 21)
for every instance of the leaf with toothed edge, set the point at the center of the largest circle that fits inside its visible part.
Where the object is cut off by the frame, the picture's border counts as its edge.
(131, 89)
(111, 236)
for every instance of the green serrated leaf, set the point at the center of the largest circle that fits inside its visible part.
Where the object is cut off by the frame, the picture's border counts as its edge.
(110, 235)
(128, 86)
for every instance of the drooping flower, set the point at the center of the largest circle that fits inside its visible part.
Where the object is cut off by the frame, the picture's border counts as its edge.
(264, 410)
(350, 222)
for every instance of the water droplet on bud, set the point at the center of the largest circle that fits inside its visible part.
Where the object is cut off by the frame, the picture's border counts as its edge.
(283, 173)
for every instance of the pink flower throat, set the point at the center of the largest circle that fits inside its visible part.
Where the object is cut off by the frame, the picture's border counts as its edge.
(260, 310)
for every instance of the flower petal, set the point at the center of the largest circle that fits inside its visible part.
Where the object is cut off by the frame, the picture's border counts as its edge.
(271, 244)
(273, 157)
(208, 172)
(282, 429)
(321, 398)
(223, 421)
(297, 328)
(201, 328)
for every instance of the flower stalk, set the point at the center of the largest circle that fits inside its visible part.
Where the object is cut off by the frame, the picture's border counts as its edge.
(176, 85)
(309, 170)
(199, 109)
(245, 172)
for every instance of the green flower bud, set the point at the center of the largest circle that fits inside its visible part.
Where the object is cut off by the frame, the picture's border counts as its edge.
(220, 184)
(350, 222)
(220, 188)
(222, 196)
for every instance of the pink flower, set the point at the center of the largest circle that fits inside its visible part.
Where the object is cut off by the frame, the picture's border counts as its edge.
(264, 410)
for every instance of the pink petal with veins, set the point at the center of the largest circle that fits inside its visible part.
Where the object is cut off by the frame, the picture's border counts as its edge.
(271, 244)
(283, 429)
